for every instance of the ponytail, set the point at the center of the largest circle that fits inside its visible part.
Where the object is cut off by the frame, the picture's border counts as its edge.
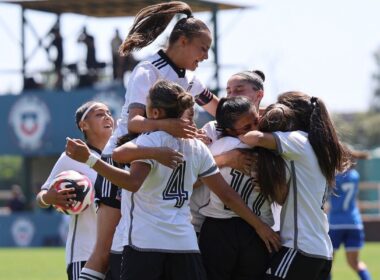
(312, 117)
(324, 140)
(150, 22)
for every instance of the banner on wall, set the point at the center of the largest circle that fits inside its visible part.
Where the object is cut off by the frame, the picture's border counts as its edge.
(37, 123)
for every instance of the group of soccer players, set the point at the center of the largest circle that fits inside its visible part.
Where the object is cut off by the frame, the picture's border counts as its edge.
(157, 162)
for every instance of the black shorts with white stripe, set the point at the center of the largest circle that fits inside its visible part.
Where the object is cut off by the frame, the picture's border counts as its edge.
(73, 270)
(105, 191)
(290, 264)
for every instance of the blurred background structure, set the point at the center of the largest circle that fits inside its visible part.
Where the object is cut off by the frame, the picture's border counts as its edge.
(57, 54)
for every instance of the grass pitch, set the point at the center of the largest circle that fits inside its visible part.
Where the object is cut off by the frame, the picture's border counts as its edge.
(49, 263)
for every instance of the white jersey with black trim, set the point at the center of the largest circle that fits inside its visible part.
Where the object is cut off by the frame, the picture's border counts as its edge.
(201, 195)
(143, 77)
(82, 229)
(158, 216)
(117, 242)
(244, 185)
(304, 224)
(212, 131)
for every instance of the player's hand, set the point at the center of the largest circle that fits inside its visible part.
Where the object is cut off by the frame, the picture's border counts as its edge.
(168, 157)
(201, 135)
(77, 149)
(64, 198)
(240, 159)
(271, 239)
(180, 128)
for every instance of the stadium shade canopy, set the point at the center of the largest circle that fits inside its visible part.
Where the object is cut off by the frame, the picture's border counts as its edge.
(115, 8)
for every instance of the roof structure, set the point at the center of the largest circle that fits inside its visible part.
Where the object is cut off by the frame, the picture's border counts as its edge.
(116, 8)
(113, 8)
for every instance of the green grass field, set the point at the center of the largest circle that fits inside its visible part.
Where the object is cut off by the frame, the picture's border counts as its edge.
(49, 263)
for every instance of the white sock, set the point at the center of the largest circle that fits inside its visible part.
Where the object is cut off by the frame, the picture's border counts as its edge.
(89, 274)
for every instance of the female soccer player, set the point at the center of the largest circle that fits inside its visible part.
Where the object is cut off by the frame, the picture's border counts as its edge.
(188, 46)
(96, 123)
(346, 224)
(249, 84)
(309, 154)
(160, 241)
(231, 249)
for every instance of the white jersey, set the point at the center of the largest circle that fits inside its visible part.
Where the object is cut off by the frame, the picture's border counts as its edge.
(82, 229)
(201, 195)
(143, 77)
(244, 185)
(212, 130)
(304, 224)
(117, 242)
(158, 216)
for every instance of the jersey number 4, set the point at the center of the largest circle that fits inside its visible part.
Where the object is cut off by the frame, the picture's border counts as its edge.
(175, 188)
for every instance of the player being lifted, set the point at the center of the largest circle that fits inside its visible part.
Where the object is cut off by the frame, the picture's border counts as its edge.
(188, 45)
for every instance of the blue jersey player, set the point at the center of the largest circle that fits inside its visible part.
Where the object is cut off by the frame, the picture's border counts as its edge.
(346, 225)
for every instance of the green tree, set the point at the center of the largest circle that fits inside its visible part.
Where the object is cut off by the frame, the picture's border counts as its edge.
(10, 171)
(361, 130)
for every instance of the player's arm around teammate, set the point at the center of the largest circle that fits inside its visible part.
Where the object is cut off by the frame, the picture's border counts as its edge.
(249, 84)
(231, 249)
(159, 106)
(297, 177)
(189, 43)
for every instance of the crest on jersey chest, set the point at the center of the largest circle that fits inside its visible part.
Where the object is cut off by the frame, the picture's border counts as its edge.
(29, 117)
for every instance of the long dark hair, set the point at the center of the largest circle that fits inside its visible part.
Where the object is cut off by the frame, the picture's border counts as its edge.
(271, 167)
(229, 110)
(151, 21)
(311, 116)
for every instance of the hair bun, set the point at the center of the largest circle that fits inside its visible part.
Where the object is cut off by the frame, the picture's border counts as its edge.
(260, 74)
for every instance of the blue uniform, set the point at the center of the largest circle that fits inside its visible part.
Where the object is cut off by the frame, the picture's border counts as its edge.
(346, 225)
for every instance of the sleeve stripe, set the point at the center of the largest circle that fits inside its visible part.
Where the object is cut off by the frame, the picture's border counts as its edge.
(278, 143)
(204, 97)
(212, 170)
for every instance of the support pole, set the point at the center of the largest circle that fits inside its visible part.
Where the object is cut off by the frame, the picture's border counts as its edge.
(215, 49)
(23, 55)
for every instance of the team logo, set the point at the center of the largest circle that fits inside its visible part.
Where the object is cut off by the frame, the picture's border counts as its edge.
(22, 232)
(112, 100)
(29, 117)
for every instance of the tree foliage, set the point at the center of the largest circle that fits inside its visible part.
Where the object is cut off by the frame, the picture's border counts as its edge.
(10, 170)
(360, 130)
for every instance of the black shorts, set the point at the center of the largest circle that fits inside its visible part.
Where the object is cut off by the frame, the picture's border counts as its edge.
(231, 249)
(105, 191)
(114, 266)
(290, 264)
(137, 265)
(73, 270)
